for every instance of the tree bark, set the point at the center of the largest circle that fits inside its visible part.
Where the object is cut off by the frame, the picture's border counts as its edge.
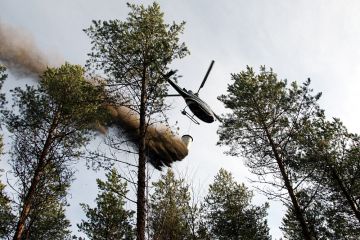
(297, 209)
(346, 193)
(285, 177)
(27, 205)
(141, 201)
(26, 208)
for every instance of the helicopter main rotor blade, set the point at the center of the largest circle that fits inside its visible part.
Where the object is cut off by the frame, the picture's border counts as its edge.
(206, 75)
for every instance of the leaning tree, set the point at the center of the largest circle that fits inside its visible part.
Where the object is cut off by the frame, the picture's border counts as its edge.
(49, 124)
(267, 117)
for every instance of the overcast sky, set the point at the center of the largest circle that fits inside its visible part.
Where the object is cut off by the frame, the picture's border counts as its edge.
(298, 39)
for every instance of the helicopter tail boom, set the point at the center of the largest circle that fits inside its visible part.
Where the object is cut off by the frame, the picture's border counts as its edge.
(177, 88)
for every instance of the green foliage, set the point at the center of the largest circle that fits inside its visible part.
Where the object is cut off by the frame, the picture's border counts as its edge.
(325, 221)
(48, 221)
(284, 134)
(49, 124)
(331, 154)
(170, 209)
(268, 116)
(315, 218)
(228, 211)
(136, 50)
(3, 77)
(77, 99)
(109, 219)
(64, 100)
(264, 106)
(6, 216)
(134, 56)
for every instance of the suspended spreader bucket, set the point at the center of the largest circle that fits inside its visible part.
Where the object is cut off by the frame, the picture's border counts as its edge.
(187, 139)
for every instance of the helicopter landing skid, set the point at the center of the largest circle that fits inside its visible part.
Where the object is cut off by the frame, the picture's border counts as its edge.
(191, 117)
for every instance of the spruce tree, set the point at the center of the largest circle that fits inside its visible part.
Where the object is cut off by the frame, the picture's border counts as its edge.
(109, 220)
(229, 214)
(170, 209)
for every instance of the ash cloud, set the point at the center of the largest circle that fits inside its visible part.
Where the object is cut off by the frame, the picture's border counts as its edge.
(162, 146)
(19, 53)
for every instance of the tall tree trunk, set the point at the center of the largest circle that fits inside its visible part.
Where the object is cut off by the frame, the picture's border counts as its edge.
(294, 201)
(27, 204)
(299, 214)
(26, 208)
(141, 200)
(346, 193)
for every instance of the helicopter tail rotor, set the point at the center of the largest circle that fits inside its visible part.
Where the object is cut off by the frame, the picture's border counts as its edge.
(206, 75)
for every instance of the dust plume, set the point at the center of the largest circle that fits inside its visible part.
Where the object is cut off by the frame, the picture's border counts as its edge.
(19, 53)
(162, 146)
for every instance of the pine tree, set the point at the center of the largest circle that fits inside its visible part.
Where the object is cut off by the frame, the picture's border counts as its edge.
(49, 124)
(324, 221)
(6, 216)
(333, 154)
(109, 220)
(228, 211)
(315, 218)
(170, 209)
(48, 221)
(3, 77)
(134, 55)
(328, 156)
(268, 115)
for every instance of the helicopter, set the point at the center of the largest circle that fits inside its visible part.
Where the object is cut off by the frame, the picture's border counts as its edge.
(198, 107)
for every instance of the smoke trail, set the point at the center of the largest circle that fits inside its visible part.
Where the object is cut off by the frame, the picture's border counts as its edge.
(162, 146)
(20, 54)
